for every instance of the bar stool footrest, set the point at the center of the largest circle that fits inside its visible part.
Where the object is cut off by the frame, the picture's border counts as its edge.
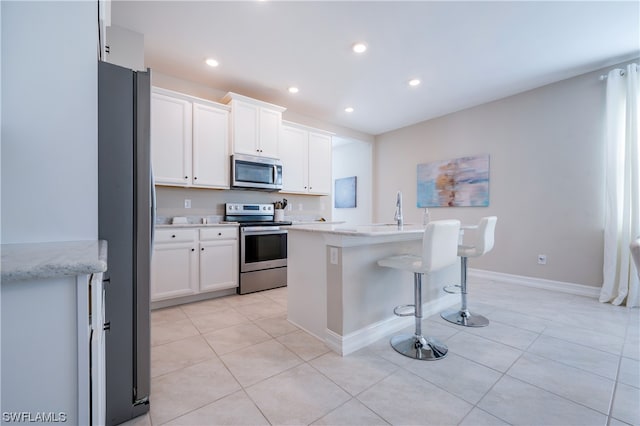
(453, 289)
(397, 310)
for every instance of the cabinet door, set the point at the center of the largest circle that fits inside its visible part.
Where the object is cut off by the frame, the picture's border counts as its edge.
(210, 147)
(174, 270)
(269, 132)
(294, 159)
(319, 163)
(171, 140)
(244, 128)
(218, 265)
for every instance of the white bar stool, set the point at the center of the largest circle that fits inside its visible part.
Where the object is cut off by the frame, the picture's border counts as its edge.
(439, 248)
(484, 239)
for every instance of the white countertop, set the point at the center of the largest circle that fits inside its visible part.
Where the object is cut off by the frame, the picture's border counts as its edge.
(47, 260)
(373, 230)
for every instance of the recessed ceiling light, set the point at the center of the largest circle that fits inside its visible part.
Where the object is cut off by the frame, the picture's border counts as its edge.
(414, 82)
(212, 62)
(293, 89)
(348, 109)
(359, 47)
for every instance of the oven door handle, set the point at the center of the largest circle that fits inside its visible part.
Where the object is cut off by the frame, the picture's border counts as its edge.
(263, 232)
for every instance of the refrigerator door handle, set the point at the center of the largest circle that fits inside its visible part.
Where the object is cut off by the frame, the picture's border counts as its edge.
(153, 207)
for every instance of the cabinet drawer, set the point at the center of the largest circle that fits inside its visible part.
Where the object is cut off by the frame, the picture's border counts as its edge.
(219, 233)
(175, 235)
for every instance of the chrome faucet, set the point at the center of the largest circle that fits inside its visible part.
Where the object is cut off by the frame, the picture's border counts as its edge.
(398, 216)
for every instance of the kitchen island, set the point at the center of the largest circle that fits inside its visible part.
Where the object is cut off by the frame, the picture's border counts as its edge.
(338, 293)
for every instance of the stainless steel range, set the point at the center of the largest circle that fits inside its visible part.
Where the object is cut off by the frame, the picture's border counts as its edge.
(263, 246)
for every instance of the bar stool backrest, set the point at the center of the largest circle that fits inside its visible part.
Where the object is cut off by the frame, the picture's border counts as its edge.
(440, 244)
(485, 237)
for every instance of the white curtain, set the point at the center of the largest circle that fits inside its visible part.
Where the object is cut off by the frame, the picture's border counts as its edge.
(622, 211)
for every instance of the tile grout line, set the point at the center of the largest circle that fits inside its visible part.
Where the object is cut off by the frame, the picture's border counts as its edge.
(503, 374)
(218, 356)
(615, 387)
(506, 373)
(359, 393)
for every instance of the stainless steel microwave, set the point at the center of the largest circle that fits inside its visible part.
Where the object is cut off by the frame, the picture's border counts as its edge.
(260, 173)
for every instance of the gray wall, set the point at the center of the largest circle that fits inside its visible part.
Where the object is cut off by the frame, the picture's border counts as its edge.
(353, 158)
(546, 176)
(49, 121)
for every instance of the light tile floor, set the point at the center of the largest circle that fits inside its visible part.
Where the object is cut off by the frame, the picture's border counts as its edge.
(546, 358)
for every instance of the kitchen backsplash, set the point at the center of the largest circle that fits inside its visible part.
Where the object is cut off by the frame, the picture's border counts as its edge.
(210, 204)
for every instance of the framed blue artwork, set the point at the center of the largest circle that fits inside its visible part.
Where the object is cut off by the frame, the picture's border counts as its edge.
(345, 192)
(461, 182)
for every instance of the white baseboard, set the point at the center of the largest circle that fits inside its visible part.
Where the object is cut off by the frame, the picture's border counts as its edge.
(561, 286)
(344, 345)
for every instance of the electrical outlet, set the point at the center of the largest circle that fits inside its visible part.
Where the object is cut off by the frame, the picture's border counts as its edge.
(542, 259)
(333, 255)
(187, 204)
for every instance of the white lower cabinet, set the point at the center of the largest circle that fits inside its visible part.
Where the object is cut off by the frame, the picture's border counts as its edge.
(218, 259)
(187, 262)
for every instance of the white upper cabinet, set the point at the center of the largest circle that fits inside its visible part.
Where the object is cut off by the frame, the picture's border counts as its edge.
(294, 157)
(210, 146)
(306, 160)
(171, 139)
(319, 163)
(269, 134)
(255, 126)
(189, 141)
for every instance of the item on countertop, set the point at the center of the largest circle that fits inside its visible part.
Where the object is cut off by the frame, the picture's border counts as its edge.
(280, 205)
(179, 220)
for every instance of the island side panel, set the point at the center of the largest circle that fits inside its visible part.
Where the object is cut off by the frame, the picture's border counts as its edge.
(307, 282)
(370, 292)
(361, 295)
(374, 291)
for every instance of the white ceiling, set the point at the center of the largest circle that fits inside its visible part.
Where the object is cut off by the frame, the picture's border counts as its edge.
(465, 53)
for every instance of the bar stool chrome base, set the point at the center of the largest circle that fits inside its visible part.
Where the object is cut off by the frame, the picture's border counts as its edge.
(464, 318)
(419, 347)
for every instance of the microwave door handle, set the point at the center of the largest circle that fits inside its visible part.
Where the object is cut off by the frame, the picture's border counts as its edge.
(275, 174)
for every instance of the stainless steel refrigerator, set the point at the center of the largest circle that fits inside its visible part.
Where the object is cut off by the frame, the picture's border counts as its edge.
(125, 204)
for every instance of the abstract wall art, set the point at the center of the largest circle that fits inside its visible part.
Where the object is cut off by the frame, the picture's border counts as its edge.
(460, 182)
(345, 192)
